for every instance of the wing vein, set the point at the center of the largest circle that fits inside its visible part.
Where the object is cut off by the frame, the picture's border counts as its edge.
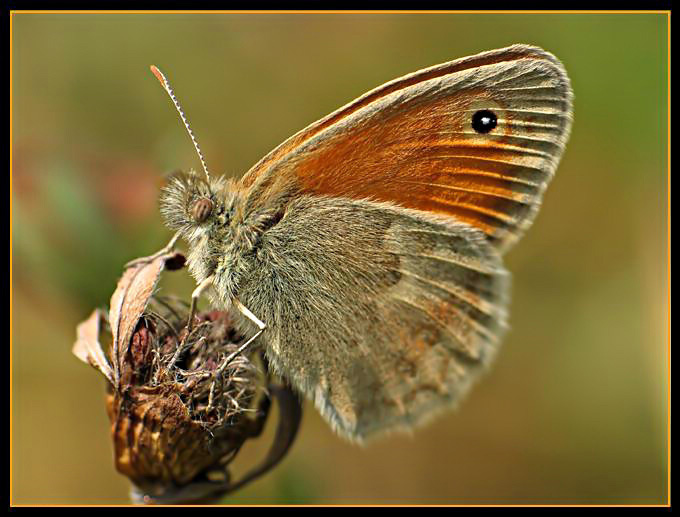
(467, 264)
(493, 160)
(463, 295)
(512, 196)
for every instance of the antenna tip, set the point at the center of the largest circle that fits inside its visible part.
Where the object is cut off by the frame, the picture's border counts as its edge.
(159, 75)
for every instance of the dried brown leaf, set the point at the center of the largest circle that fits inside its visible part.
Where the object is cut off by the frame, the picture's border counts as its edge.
(129, 300)
(87, 347)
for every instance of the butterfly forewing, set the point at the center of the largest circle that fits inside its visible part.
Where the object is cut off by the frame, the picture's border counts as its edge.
(413, 142)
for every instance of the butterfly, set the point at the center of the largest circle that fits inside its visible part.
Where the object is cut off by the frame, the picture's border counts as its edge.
(366, 251)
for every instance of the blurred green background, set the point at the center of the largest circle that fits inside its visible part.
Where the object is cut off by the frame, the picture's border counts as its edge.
(574, 410)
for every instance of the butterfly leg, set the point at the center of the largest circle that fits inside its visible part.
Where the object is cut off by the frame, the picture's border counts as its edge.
(261, 325)
(170, 246)
(244, 310)
(194, 299)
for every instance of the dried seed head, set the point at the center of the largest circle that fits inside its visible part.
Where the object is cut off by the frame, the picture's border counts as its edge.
(175, 424)
(167, 428)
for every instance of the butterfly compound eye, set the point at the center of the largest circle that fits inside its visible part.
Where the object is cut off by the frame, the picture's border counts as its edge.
(201, 209)
(484, 121)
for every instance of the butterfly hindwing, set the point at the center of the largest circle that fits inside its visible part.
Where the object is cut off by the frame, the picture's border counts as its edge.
(382, 315)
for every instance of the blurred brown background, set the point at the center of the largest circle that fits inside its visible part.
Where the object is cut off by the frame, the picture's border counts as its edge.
(574, 410)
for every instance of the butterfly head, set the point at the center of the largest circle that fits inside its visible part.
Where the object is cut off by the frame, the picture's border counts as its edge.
(195, 206)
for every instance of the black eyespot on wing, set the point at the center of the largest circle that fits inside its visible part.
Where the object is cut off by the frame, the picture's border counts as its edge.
(484, 121)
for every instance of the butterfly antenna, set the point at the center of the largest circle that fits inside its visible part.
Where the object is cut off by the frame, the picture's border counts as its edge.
(166, 86)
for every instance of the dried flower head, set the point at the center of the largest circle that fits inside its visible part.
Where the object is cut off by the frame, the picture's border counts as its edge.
(177, 420)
